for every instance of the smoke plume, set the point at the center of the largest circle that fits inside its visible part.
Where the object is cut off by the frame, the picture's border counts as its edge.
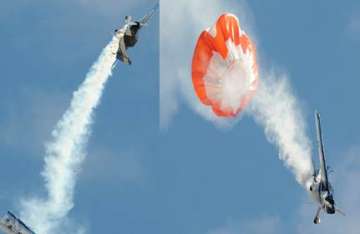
(277, 110)
(66, 152)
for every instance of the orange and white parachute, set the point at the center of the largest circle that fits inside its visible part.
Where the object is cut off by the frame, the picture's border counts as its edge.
(224, 69)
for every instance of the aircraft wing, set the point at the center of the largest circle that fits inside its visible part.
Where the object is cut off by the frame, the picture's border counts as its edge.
(10, 224)
(148, 16)
(323, 169)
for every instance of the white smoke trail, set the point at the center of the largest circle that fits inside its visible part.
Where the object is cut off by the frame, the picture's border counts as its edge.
(276, 109)
(65, 153)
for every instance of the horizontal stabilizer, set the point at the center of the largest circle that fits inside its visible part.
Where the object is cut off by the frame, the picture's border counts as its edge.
(340, 212)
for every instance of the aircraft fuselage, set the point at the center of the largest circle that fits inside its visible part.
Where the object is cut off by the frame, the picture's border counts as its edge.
(322, 196)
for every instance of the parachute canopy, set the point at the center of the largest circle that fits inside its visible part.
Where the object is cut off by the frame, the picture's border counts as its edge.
(224, 69)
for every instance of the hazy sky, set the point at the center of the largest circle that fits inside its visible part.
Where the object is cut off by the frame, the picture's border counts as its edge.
(190, 177)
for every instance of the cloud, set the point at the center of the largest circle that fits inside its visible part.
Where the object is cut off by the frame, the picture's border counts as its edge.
(180, 24)
(262, 225)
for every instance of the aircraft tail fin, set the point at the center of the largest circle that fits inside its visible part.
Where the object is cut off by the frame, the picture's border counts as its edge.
(148, 16)
(323, 168)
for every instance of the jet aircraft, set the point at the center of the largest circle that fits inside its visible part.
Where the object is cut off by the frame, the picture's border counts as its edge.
(128, 34)
(320, 188)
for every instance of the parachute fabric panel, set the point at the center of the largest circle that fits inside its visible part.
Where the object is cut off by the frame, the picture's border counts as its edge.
(224, 69)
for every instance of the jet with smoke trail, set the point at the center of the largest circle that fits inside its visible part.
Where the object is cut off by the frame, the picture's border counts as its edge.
(128, 34)
(320, 188)
(66, 152)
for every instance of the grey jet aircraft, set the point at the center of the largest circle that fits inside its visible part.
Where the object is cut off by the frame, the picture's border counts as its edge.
(320, 188)
(128, 34)
(10, 224)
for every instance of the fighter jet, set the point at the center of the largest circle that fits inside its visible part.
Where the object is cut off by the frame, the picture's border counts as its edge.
(320, 188)
(128, 34)
(10, 224)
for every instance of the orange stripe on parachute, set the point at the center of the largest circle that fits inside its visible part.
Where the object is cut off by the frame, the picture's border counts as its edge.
(227, 28)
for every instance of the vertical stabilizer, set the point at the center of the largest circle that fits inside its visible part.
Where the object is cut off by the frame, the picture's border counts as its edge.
(323, 170)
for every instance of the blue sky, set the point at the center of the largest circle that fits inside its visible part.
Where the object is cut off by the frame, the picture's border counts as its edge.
(48, 49)
(231, 181)
(190, 177)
